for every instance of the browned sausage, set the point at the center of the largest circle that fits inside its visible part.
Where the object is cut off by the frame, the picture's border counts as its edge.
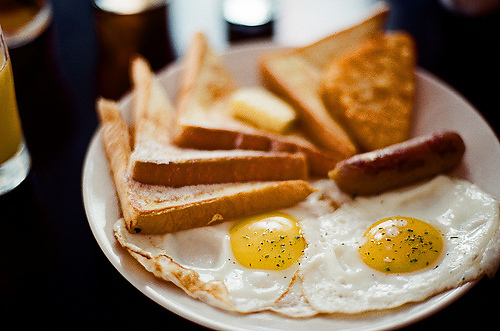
(399, 164)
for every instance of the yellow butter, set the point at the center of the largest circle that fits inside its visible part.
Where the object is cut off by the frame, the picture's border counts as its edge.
(262, 109)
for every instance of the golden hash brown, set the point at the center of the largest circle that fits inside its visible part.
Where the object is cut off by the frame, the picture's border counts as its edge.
(371, 90)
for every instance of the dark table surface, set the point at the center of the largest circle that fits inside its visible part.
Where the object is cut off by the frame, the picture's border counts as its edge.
(52, 271)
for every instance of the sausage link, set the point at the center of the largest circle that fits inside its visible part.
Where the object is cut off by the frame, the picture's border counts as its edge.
(399, 164)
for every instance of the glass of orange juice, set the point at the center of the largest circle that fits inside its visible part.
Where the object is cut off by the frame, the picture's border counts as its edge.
(15, 160)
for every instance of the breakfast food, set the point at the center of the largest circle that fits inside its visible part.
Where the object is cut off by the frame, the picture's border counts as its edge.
(251, 264)
(246, 265)
(371, 89)
(205, 120)
(334, 272)
(263, 109)
(160, 209)
(156, 161)
(298, 248)
(295, 75)
(399, 164)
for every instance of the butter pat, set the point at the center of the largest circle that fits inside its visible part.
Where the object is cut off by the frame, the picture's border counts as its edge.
(262, 109)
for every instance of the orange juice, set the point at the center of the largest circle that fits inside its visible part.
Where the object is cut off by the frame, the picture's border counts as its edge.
(10, 125)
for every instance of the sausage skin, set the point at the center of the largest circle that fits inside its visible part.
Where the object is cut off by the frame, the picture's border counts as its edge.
(399, 164)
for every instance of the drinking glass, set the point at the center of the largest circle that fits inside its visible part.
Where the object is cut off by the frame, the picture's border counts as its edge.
(126, 28)
(15, 160)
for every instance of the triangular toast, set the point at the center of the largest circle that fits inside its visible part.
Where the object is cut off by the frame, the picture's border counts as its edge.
(157, 209)
(295, 76)
(155, 160)
(205, 122)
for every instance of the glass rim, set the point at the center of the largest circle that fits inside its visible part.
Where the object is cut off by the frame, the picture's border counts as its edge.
(4, 51)
(31, 29)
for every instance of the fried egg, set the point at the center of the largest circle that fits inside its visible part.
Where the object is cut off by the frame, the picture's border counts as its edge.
(371, 253)
(245, 265)
(402, 246)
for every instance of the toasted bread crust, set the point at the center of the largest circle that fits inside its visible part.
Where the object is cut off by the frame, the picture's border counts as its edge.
(116, 143)
(271, 196)
(319, 160)
(230, 169)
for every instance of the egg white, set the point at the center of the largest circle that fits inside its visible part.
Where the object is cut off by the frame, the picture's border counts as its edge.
(331, 277)
(201, 262)
(207, 252)
(335, 278)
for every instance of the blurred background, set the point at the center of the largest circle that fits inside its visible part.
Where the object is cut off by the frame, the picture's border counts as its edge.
(457, 42)
(51, 268)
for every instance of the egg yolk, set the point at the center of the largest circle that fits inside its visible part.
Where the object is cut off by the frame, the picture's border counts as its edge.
(401, 244)
(270, 241)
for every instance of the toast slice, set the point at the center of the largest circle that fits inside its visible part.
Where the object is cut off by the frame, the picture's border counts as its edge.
(295, 75)
(205, 120)
(372, 89)
(155, 209)
(155, 160)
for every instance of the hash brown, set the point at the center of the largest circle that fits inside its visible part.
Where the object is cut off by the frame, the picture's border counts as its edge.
(371, 89)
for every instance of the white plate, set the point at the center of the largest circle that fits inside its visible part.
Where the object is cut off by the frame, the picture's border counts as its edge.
(437, 107)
